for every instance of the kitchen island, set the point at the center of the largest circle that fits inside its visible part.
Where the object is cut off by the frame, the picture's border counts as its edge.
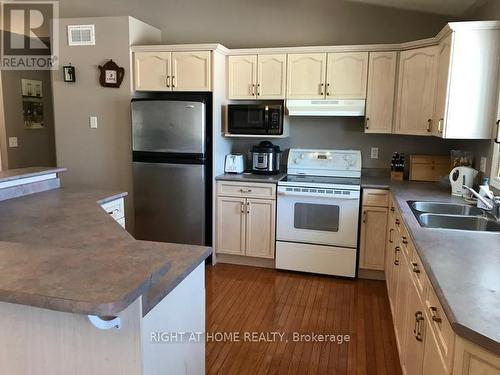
(79, 295)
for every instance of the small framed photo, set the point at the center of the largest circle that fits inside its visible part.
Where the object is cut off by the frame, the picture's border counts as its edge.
(69, 73)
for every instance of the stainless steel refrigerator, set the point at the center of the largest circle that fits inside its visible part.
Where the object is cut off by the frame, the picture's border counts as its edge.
(171, 169)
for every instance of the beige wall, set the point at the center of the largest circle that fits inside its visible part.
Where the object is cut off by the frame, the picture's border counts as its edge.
(265, 23)
(487, 10)
(36, 146)
(102, 157)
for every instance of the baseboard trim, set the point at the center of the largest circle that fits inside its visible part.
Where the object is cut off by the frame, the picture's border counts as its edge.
(371, 274)
(245, 261)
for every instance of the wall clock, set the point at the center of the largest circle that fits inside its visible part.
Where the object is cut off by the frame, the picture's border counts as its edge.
(111, 74)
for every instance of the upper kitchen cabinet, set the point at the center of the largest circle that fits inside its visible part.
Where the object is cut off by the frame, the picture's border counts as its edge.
(346, 75)
(467, 79)
(306, 75)
(152, 71)
(172, 71)
(381, 92)
(257, 77)
(416, 91)
(191, 71)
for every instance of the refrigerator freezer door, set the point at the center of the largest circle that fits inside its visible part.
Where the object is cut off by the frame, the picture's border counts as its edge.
(168, 126)
(169, 202)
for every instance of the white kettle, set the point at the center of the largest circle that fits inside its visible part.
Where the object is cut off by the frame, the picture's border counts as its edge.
(460, 176)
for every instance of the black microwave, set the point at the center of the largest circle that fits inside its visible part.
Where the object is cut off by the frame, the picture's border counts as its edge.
(258, 119)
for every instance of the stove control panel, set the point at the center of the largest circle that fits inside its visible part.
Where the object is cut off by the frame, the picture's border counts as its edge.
(343, 163)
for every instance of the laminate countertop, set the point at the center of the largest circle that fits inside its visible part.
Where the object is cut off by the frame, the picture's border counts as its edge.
(60, 250)
(20, 173)
(463, 266)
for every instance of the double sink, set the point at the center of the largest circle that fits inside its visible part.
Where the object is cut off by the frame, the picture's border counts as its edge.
(453, 216)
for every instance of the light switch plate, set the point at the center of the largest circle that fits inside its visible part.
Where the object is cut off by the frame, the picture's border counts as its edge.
(93, 122)
(482, 167)
(12, 141)
(374, 153)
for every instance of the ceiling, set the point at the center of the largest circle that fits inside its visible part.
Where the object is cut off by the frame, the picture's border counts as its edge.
(454, 8)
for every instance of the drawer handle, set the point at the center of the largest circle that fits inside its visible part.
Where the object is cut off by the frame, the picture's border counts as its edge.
(417, 331)
(415, 267)
(364, 217)
(115, 211)
(497, 138)
(393, 209)
(397, 249)
(397, 222)
(434, 314)
(245, 190)
(390, 235)
(404, 240)
(429, 125)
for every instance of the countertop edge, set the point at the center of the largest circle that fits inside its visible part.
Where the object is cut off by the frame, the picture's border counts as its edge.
(22, 175)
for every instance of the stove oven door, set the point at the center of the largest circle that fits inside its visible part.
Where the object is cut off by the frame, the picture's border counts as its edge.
(318, 216)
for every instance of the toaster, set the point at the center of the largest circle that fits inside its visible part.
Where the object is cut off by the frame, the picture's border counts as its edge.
(234, 163)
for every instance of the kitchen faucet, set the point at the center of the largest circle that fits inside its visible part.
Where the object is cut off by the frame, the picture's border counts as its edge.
(492, 205)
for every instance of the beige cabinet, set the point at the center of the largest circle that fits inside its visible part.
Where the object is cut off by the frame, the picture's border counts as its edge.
(242, 76)
(372, 238)
(231, 225)
(306, 75)
(443, 68)
(391, 254)
(257, 76)
(260, 227)
(471, 359)
(432, 362)
(152, 71)
(346, 75)
(403, 281)
(246, 217)
(172, 71)
(380, 94)
(416, 91)
(191, 71)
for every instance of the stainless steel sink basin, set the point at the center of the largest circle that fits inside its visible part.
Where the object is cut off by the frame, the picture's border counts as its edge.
(446, 208)
(474, 223)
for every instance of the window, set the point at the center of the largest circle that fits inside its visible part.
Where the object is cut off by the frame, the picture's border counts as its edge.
(495, 166)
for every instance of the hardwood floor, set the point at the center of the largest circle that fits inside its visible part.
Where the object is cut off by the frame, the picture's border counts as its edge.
(247, 299)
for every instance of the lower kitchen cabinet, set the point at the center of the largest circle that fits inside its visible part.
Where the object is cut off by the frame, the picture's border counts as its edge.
(372, 243)
(471, 359)
(246, 225)
(116, 209)
(433, 362)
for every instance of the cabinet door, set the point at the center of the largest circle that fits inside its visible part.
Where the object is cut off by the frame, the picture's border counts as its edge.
(416, 91)
(260, 227)
(242, 76)
(402, 281)
(443, 70)
(191, 71)
(381, 92)
(433, 362)
(389, 268)
(372, 241)
(152, 71)
(271, 81)
(413, 353)
(346, 75)
(231, 225)
(306, 74)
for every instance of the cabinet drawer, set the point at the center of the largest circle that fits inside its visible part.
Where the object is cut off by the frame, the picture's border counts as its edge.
(440, 326)
(418, 272)
(375, 197)
(115, 208)
(247, 190)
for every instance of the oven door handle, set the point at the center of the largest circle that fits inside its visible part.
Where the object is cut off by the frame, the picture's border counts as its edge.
(320, 195)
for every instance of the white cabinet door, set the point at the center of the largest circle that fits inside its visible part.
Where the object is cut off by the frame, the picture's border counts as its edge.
(152, 71)
(346, 75)
(306, 74)
(416, 91)
(443, 70)
(231, 214)
(260, 228)
(242, 78)
(271, 76)
(381, 92)
(191, 71)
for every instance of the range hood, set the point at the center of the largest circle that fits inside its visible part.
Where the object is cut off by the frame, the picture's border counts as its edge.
(326, 107)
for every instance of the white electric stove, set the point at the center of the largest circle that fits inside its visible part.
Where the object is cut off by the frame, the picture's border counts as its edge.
(318, 212)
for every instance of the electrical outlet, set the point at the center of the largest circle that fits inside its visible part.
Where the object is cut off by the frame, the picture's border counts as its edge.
(93, 122)
(374, 153)
(482, 166)
(13, 142)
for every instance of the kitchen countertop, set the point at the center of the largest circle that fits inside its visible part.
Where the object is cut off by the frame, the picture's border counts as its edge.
(59, 250)
(375, 182)
(463, 266)
(16, 174)
(250, 177)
